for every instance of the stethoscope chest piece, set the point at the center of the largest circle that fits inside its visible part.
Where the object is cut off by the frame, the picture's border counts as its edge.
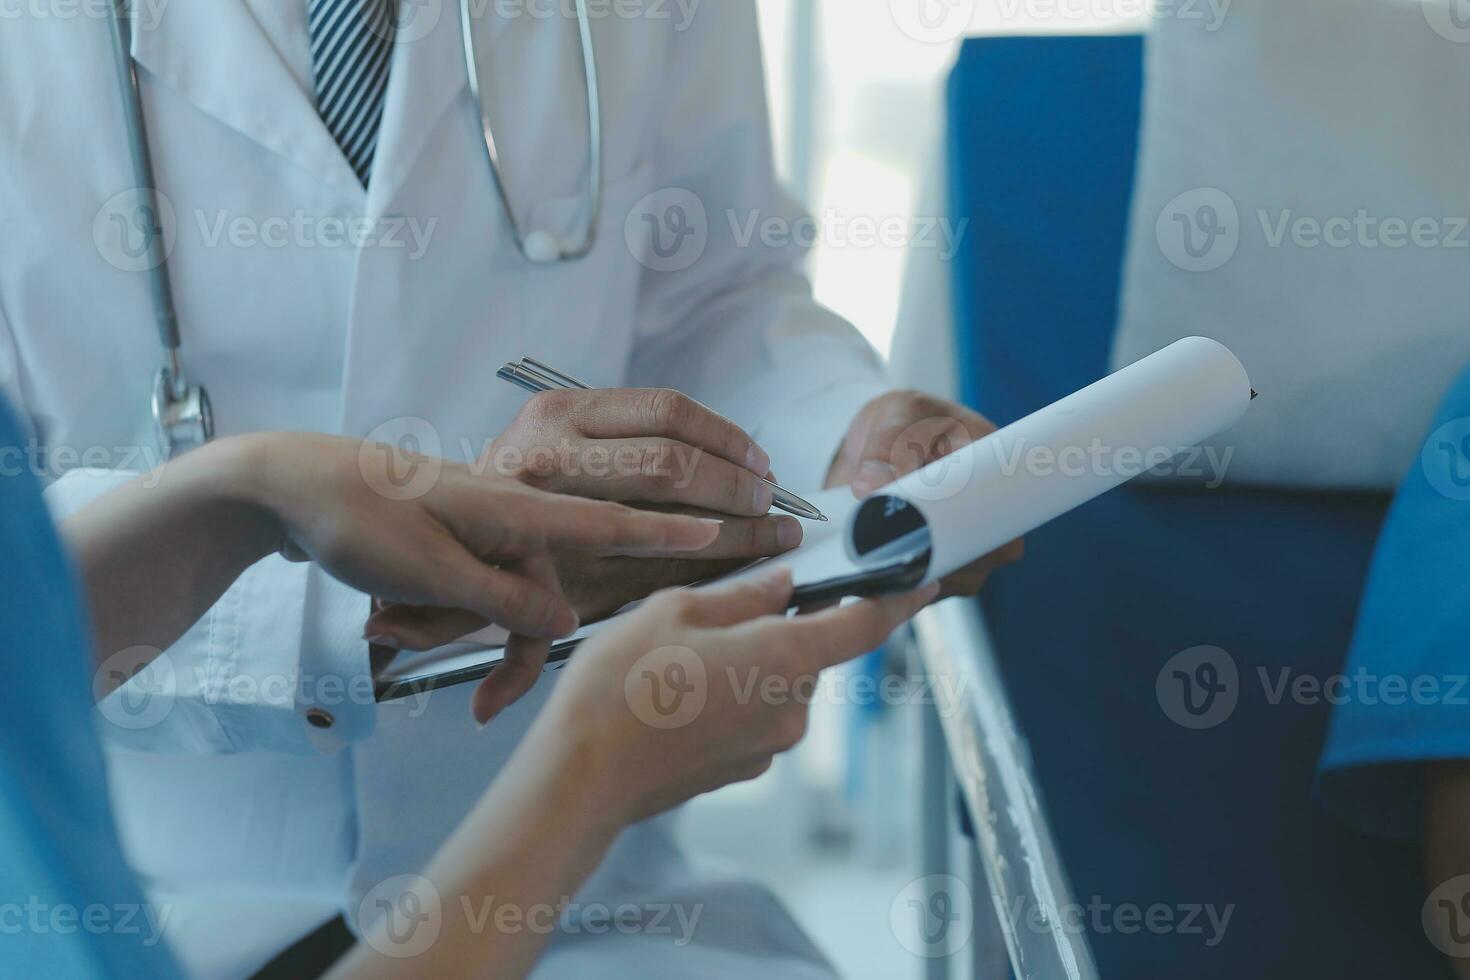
(182, 415)
(543, 248)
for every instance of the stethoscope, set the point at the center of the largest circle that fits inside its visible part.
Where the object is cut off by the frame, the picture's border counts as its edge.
(182, 415)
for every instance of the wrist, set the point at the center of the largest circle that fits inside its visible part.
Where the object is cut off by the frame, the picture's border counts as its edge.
(549, 805)
(242, 473)
(581, 767)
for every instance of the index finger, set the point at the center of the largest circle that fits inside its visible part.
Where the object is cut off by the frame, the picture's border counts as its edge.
(837, 635)
(629, 413)
(578, 524)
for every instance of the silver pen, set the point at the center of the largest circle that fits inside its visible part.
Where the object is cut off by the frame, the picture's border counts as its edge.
(536, 377)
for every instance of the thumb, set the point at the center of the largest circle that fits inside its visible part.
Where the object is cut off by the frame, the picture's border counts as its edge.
(506, 597)
(762, 592)
(524, 658)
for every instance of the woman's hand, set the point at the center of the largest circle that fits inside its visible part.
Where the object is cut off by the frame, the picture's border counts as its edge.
(156, 553)
(477, 543)
(700, 688)
(692, 691)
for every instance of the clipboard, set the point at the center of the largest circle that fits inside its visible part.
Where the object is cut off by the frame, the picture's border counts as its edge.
(469, 662)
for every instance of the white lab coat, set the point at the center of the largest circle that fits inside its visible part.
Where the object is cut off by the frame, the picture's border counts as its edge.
(231, 794)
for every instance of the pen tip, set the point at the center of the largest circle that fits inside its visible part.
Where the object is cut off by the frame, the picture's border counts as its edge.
(1255, 394)
(823, 518)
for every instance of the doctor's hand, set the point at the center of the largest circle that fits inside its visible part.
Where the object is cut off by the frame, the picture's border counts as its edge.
(654, 449)
(903, 431)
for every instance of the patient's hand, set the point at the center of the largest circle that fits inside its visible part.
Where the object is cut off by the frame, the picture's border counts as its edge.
(903, 431)
(657, 706)
(598, 586)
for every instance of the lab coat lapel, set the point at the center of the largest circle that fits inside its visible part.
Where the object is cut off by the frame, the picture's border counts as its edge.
(217, 56)
(427, 77)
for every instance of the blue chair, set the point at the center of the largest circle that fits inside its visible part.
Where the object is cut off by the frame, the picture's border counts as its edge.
(1042, 144)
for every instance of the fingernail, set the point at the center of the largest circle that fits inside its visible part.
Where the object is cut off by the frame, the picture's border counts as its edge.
(568, 624)
(762, 499)
(874, 474)
(788, 532)
(780, 575)
(756, 459)
(384, 640)
(929, 592)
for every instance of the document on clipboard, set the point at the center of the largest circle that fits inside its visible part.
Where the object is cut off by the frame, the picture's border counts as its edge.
(957, 509)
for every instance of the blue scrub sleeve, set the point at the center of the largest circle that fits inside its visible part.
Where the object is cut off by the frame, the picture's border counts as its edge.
(1405, 695)
(69, 904)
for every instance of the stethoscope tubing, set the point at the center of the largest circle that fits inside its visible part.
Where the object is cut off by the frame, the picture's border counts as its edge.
(160, 287)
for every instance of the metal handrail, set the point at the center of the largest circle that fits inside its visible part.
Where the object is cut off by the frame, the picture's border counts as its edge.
(1037, 914)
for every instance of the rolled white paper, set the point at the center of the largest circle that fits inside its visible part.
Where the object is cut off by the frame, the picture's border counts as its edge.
(1034, 470)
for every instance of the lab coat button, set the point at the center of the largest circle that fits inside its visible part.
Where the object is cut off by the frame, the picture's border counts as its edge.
(319, 718)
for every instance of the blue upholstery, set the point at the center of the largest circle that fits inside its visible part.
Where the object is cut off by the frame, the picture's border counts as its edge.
(1042, 148)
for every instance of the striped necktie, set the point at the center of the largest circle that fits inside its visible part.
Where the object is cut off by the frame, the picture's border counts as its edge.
(351, 46)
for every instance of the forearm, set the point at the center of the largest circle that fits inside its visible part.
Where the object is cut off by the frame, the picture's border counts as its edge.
(155, 554)
(500, 881)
